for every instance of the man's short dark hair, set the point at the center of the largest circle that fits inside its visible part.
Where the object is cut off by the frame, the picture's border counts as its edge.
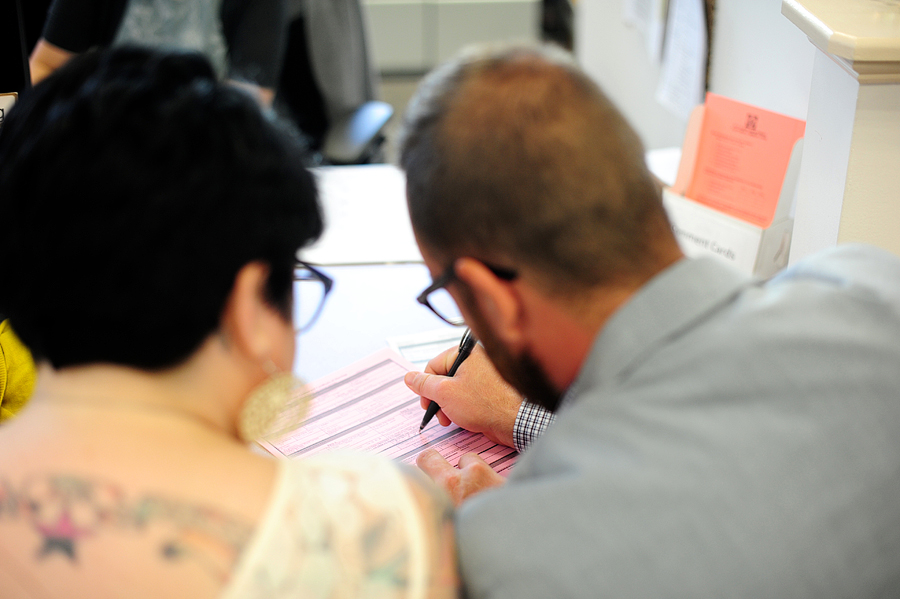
(515, 157)
(133, 188)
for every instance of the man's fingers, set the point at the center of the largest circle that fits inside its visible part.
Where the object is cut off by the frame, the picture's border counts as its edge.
(473, 475)
(478, 476)
(472, 460)
(423, 383)
(426, 386)
(442, 418)
(441, 363)
(414, 380)
(434, 464)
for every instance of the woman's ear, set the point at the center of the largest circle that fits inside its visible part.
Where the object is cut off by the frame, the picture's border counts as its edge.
(247, 318)
(498, 301)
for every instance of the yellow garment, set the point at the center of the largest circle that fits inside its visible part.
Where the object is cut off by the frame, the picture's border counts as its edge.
(17, 372)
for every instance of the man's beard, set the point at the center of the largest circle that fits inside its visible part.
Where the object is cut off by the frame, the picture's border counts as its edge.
(522, 372)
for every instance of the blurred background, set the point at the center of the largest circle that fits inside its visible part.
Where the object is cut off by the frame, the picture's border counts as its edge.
(654, 58)
(410, 37)
(337, 54)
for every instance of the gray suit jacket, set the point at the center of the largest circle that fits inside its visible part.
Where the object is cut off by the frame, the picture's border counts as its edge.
(724, 438)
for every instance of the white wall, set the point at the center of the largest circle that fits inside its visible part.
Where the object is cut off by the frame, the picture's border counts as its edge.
(615, 56)
(412, 36)
(761, 58)
(758, 57)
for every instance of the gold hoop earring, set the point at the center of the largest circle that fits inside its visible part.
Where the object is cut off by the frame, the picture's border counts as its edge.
(276, 406)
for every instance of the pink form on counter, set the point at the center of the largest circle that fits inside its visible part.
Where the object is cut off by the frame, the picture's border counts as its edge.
(742, 156)
(367, 407)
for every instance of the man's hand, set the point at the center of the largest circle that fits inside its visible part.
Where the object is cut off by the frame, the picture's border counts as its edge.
(472, 476)
(477, 398)
(46, 58)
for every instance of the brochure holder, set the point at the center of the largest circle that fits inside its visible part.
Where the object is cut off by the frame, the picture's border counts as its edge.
(6, 102)
(759, 248)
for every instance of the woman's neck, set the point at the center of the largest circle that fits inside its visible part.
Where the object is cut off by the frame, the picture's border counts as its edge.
(176, 392)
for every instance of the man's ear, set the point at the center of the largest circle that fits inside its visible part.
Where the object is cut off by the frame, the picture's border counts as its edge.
(246, 320)
(498, 301)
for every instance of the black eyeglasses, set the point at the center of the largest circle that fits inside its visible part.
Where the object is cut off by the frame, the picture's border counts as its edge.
(437, 299)
(311, 287)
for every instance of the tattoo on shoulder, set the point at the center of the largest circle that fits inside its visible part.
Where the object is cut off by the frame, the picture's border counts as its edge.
(67, 511)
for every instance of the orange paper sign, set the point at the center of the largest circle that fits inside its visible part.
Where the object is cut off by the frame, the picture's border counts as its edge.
(742, 157)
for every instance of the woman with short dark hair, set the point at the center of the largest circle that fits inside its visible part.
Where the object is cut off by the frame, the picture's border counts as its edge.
(152, 217)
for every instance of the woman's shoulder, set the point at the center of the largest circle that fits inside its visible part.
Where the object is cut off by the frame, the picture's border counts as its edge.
(348, 524)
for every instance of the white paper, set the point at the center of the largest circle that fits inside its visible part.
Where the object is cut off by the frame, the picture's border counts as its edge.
(366, 220)
(683, 78)
(649, 18)
(420, 348)
(663, 163)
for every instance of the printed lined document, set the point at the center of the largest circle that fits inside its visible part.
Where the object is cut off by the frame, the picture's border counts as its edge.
(367, 407)
(420, 348)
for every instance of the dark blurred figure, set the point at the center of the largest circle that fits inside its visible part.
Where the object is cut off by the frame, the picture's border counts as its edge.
(557, 23)
(14, 75)
(243, 39)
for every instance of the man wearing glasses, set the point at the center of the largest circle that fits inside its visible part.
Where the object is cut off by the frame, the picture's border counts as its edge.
(715, 435)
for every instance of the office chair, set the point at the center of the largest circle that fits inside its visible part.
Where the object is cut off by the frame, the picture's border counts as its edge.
(327, 84)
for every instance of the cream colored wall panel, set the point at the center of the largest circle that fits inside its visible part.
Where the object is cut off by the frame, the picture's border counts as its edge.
(397, 34)
(461, 22)
(414, 35)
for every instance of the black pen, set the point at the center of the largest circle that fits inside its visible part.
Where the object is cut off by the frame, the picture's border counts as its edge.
(466, 345)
